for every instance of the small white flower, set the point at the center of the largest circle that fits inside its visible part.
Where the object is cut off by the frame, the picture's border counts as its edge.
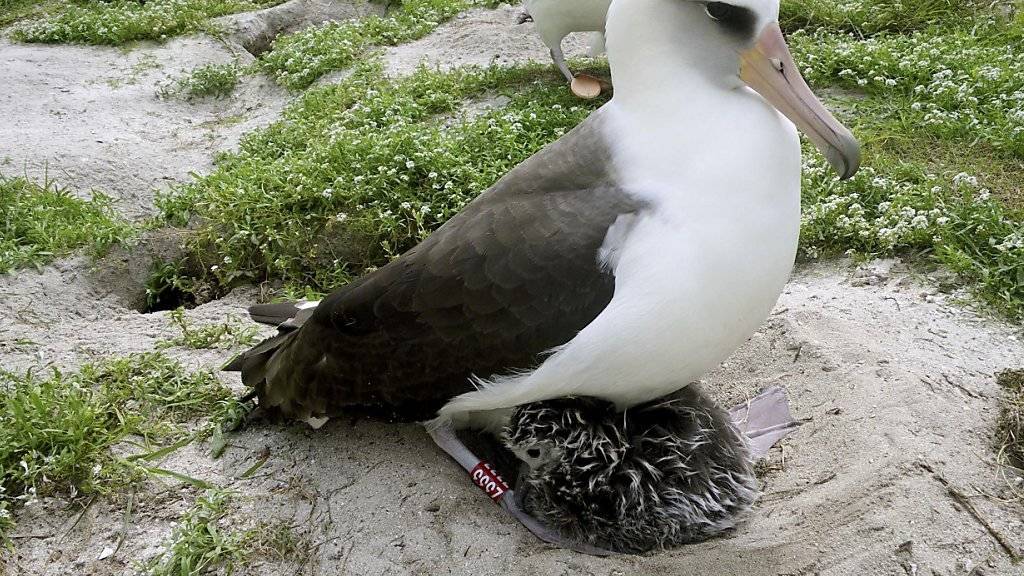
(964, 178)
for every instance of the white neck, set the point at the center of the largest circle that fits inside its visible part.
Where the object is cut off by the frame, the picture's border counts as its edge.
(663, 54)
(681, 123)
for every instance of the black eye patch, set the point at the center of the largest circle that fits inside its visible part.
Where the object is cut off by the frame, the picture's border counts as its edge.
(736, 19)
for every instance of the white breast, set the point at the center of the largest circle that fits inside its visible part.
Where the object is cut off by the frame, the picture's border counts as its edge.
(702, 269)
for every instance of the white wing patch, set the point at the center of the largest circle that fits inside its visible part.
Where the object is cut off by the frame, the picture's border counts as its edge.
(614, 239)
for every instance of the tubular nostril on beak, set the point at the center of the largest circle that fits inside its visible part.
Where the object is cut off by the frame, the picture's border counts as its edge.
(777, 64)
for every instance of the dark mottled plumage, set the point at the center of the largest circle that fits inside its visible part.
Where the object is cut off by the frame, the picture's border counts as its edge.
(664, 473)
(511, 276)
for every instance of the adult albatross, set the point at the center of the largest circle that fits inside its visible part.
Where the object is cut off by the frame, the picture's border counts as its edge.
(620, 262)
(555, 19)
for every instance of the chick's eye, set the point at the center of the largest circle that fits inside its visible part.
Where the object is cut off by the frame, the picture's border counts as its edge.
(720, 10)
(533, 452)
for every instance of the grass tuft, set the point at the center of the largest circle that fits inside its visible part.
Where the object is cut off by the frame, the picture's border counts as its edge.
(212, 80)
(169, 286)
(1010, 426)
(41, 222)
(203, 543)
(940, 112)
(57, 432)
(199, 544)
(276, 541)
(226, 334)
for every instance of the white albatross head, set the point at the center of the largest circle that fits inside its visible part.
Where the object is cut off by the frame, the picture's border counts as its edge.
(727, 45)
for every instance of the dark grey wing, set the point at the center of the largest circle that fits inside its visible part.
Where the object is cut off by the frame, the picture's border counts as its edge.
(513, 275)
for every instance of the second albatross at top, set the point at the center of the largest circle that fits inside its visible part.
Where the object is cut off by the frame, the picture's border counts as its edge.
(621, 262)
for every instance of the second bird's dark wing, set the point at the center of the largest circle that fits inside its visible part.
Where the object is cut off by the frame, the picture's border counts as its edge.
(511, 276)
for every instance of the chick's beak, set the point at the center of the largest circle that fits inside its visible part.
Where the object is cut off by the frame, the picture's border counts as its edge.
(769, 69)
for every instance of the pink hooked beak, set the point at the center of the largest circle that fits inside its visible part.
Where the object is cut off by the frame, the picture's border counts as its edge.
(769, 69)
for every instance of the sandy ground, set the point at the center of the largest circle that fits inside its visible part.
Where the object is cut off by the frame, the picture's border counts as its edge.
(90, 118)
(894, 379)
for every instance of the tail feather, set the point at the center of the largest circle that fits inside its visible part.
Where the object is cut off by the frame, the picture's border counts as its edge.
(279, 313)
(286, 316)
(278, 378)
(263, 366)
(253, 362)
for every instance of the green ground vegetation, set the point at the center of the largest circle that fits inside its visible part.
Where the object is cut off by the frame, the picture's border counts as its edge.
(937, 100)
(39, 222)
(871, 17)
(1010, 426)
(204, 542)
(211, 80)
(116, 22)
(59, 431)
(227, 334)
(14, 10)
(199, 544)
